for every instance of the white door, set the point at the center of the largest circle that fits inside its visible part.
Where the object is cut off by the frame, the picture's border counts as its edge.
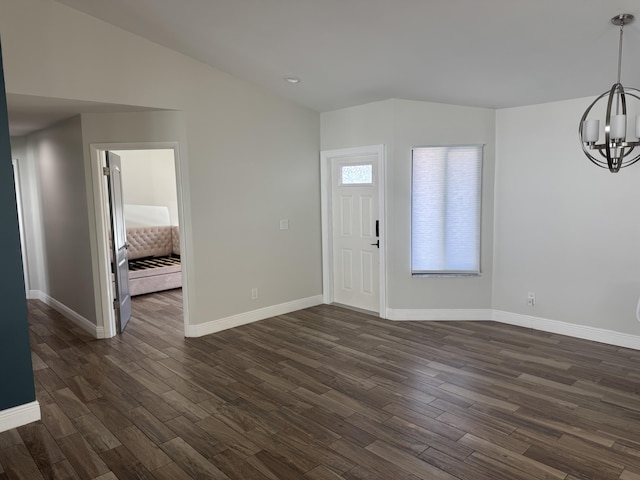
(119, 243)
(355, 231)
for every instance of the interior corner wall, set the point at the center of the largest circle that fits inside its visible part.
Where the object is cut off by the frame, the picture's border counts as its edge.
(565, 229)
(401, 125)
(66, 274)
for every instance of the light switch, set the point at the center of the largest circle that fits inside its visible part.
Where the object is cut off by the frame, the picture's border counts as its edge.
(284, 224)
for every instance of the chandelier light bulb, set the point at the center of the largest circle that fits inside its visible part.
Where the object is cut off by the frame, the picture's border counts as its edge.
(618, 127)
(591, 131)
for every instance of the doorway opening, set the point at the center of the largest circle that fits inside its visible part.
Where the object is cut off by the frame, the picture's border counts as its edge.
(353, 228)
(153, 216)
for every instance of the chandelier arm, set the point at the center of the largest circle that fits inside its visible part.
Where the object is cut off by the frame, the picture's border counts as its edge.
(597, 161)
(631, 162)
(616, 91)
(629, 92)
(627, 151)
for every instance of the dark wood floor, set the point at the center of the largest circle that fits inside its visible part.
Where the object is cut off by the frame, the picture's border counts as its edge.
(324, 394)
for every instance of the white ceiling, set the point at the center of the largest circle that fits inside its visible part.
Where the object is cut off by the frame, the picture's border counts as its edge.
(490, 53)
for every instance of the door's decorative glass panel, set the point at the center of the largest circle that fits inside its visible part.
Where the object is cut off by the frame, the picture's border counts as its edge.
(356, 174)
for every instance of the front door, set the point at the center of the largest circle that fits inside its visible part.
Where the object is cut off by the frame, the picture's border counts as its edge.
(355, 228)
(119, 244)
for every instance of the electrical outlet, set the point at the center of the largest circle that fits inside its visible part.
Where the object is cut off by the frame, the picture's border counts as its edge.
(531, 299)
(254, 294)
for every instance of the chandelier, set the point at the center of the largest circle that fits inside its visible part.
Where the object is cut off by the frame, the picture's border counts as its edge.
(615, 152)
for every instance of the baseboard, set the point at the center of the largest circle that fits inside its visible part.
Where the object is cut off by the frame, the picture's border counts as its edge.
(20, 415)
(252, 316)
(536, 323)
(570, 329)
(516, 319)
(33, 295)
(439, 314)
(77, 319)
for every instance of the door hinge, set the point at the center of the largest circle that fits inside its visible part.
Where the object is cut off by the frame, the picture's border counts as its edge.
(106, 171)
(116, 304)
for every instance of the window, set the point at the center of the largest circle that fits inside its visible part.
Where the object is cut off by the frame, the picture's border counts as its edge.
(445, 210)
(356, 174)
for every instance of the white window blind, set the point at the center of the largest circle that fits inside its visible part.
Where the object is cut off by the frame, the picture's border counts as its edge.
(445, 210)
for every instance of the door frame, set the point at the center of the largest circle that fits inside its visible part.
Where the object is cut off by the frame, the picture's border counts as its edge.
(326, 194)
(23, 242)
(102, 269)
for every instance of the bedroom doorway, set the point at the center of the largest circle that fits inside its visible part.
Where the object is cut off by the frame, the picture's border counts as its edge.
(153, 218)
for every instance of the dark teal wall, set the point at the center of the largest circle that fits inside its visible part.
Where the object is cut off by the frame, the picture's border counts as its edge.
(16, 375)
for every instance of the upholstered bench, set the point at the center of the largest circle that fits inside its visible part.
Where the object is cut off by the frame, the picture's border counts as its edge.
(154, 259)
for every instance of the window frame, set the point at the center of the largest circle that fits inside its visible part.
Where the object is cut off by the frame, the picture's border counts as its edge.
(451, 272)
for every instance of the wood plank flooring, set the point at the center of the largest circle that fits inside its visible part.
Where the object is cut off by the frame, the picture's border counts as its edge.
(324, 394)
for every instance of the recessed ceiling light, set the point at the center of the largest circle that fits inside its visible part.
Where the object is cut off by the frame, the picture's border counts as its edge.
(292, 79)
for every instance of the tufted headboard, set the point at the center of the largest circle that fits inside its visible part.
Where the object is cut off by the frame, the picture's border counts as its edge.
(152, 241)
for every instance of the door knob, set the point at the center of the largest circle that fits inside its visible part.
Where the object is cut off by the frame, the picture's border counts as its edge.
(377, 244)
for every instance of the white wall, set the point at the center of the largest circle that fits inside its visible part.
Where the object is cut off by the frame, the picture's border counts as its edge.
(149, 178)
(252, 158)
(62, 251)
(565, 229)
(401, 125)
